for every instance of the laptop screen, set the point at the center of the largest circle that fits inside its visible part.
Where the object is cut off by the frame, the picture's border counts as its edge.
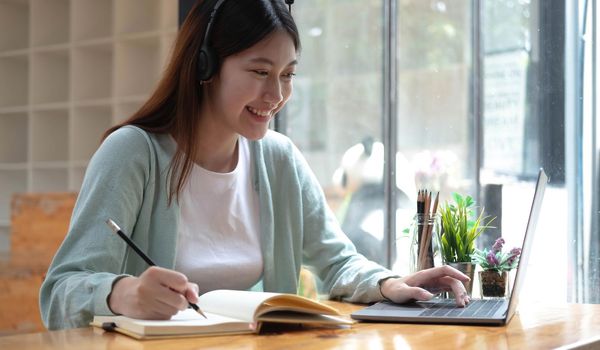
(536, 207)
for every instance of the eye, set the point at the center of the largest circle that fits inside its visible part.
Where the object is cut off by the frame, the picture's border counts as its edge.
(289, 76)
(262, 73)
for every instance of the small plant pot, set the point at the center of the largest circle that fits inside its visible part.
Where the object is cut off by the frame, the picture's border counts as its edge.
(469, 270)
(493, 284)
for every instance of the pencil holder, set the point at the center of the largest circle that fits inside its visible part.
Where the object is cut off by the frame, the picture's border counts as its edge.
(424, 245)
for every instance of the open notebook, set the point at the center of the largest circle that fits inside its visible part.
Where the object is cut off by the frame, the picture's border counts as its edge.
(228, 312)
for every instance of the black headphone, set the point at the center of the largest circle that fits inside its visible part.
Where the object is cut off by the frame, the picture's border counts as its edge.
(289, 3)
(208, 62)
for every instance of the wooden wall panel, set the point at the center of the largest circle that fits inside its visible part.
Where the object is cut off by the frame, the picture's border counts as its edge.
(39, 222)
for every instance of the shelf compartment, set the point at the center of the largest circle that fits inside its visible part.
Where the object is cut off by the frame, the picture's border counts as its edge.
(49, 180)
(135, 16)
(137, 66)
(13, 137)
(49, 135)
(124, 110)
(76, 178)
(91, 72)
(91, 19)
(4, 241)
(169, 15)
(88, 126)
(50, 72)
(14, 25)
(14, 81)
(50, 22)
(166, 49)
(13, 181)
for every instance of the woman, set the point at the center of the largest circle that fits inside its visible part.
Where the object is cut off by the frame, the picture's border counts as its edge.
(208, 192)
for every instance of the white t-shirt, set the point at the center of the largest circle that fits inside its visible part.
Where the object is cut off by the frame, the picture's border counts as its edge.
(219, 233)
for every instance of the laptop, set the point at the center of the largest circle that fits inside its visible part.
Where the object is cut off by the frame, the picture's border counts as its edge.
(478, 311)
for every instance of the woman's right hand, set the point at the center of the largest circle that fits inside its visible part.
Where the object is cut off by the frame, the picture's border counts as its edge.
(157, 294)
(414, 286)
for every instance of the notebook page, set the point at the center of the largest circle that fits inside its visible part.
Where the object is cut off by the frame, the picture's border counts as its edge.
(233, 303)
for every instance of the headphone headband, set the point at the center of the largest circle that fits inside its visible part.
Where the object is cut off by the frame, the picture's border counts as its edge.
(213, 14)
(208, 61)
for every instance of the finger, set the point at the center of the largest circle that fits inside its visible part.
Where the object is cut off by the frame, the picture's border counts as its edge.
(460, 293)
(169, 297)
(423, 276)
(169, 278)
(153, 306)
(407, 293)
(419, 294)
(164, 311)
(176, 300)
(191, 293)
(437, 289)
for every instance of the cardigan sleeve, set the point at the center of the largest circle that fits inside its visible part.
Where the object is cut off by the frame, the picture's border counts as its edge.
(90, 258)
(327, 250)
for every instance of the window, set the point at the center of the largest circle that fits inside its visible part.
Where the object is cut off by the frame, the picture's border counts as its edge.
(478, 108)
(340, 82)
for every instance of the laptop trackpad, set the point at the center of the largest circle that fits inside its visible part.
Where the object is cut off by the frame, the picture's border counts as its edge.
(408, 309)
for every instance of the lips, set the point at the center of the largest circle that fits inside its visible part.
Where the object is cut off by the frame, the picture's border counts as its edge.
(258, 112)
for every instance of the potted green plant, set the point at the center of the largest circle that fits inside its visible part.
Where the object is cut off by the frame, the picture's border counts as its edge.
(495, 266)
(460, 227)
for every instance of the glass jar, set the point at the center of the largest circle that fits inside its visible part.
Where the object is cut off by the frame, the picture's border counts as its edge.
(493, 284)
(424, 247)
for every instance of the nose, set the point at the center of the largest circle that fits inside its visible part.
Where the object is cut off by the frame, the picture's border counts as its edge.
(273, 94)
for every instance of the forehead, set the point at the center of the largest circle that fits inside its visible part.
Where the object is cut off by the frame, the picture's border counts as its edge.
(277, 47)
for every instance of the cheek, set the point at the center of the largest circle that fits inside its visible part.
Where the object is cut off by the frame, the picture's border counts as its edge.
(286, 91)
(235, 94)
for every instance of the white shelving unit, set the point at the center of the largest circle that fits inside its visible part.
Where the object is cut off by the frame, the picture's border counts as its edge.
(69, 69)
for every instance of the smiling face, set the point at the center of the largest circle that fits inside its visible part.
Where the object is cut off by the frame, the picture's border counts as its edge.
(251, 87)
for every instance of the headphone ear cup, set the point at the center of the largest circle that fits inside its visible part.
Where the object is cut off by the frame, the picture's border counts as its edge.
(207, 63)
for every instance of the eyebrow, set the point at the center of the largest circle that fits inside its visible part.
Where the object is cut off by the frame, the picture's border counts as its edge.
(268, 61)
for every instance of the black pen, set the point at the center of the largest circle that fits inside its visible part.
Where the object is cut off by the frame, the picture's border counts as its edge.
(116, 229)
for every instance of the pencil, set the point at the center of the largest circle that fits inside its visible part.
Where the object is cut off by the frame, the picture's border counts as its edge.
(422, 262)
(116, 229)
(420, 217)
(429, 235)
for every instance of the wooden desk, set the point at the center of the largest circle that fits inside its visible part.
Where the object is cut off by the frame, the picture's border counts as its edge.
(534, 327)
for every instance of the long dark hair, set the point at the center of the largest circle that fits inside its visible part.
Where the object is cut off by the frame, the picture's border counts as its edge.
(173, 108)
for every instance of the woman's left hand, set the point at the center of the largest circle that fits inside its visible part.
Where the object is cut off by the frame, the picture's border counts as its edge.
(416, 285)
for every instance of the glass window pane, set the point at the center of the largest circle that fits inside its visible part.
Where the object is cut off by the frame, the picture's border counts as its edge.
(435, 137)
(335, 115)
(523, 130)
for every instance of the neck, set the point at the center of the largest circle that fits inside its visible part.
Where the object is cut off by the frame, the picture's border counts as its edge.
(220, 156)
(216, 145)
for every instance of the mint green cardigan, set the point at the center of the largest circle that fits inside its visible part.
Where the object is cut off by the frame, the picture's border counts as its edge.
(127, 181)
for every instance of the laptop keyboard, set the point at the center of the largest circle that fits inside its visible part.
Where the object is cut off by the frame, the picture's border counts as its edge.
(448, 308)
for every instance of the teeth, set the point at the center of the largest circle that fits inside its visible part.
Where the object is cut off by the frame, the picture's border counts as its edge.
(261, 113)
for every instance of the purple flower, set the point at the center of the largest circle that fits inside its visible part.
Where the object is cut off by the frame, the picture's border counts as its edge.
(495, 259)
(491, 259)
(498, 245)
(513, 256)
